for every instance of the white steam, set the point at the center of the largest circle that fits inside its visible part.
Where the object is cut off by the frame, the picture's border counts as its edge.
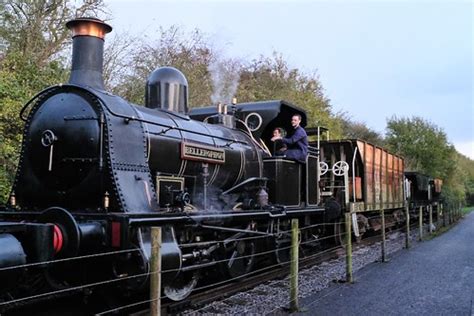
(225, 80)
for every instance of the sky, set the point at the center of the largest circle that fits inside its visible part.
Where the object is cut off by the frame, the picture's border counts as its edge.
(375, 59)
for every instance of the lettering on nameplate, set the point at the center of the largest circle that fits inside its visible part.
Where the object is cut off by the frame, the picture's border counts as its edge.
(203, 153)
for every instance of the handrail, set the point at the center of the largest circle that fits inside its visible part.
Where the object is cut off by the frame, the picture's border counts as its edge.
(34, 98)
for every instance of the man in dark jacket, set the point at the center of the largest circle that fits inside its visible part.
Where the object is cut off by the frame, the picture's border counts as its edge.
(296, 142)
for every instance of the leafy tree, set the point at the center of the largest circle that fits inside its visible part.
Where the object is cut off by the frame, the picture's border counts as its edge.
(352, 129)
(466, 167)
(427, 150)
(454, 189)
(272, 78)
(118, 48)
(423, 144)
(32, 38)
(213, 78)
(190, 53)
(20, 79)
(35, 28)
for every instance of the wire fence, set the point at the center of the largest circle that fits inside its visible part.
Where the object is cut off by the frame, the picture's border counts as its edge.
(145, 274)
(311, 238)
(124, 251)
(360, 276)
(264, 269)
(412, 232)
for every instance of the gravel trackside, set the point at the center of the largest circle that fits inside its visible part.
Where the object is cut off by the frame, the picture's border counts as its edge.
(271, 298)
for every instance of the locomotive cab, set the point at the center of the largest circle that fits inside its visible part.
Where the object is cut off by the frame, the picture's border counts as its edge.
(290, 183)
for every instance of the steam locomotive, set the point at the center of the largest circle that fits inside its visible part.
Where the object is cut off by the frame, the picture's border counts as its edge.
(96, 173)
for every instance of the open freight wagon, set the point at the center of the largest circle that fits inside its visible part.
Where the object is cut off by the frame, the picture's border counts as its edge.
(373, 177)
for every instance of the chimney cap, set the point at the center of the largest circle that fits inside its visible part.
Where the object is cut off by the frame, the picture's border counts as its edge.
(88, 26)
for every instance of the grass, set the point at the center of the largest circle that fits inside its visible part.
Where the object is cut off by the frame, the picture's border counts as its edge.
(467, 209)
(442, 229)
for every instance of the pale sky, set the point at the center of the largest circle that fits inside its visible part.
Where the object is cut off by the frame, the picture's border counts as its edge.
(375, 59)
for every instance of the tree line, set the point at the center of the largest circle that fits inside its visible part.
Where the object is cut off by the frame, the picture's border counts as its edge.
(35, 53)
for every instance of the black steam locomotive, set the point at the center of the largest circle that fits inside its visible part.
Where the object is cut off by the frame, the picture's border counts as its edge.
(96, 173)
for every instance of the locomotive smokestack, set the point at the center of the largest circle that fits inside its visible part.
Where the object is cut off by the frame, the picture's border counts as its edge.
(88, 51)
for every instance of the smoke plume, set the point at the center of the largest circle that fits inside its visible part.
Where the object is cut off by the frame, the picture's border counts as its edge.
(225, 80)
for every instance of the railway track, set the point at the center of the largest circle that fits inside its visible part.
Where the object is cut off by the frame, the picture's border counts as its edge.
(233, 287)
(206, 296)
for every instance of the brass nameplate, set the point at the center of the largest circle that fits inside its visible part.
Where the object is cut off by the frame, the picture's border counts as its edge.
(202, 153)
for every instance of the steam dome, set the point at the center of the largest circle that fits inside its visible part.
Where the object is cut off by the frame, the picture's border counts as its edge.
(167, 89)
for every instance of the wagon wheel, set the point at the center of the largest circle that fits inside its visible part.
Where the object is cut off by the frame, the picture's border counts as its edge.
(283, 248)
(340, 233)
(241, 258)
(282, 243)
(323, 168)
(181, 286)
(340, 168)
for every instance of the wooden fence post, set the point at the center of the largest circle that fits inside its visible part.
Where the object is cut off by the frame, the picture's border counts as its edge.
(431, 218)
(437, 215)
(383, 235)
(348, 220)
(420, 222)
(444, 215)
(407, 235)
(155, 272)
(294, 266)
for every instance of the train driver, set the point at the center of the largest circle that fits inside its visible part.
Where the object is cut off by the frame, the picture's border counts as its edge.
(296, 141)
